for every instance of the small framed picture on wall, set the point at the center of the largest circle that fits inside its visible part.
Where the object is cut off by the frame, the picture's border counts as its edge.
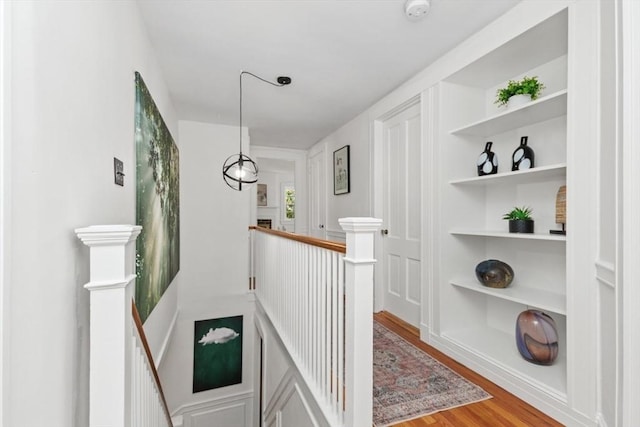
(341, 171)
(262, 194)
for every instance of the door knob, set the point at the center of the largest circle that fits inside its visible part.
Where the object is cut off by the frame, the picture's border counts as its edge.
(384, 231)
(321, 226)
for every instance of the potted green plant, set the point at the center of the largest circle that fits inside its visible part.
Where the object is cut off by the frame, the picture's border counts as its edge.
(520, 220)
(519, 92)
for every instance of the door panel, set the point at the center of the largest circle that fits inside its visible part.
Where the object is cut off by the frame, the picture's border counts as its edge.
(402, 214)
(413, 280)
(393, 274)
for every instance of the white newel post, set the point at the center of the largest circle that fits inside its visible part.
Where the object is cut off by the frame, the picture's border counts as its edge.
(359, 261)
(112, 283)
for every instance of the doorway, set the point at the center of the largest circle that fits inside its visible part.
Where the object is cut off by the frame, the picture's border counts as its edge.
(275, 198)
(293, 164)
(317, 196)
(401, 202)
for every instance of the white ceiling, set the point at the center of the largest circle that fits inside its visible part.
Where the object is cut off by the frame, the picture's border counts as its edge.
(343, 56)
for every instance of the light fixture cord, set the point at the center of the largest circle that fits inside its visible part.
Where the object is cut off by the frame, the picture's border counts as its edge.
(259, 78)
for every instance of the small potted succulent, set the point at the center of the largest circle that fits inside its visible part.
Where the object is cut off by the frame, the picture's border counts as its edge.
(520, 220)
(519, 92)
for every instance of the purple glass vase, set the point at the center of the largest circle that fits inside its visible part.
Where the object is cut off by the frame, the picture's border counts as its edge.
(537, 337)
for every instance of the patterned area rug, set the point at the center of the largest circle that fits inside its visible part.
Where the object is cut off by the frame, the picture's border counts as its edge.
(408, 383)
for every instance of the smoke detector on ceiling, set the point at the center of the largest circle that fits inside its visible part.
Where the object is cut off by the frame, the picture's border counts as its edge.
(416, 9)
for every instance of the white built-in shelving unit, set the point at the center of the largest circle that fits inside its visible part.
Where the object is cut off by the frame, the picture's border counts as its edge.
(476, 324)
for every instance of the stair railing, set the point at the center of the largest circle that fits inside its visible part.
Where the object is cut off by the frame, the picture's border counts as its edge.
(319, 297)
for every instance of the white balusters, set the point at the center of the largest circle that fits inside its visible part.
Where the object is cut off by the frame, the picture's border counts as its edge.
(148, 408)
(325, 323)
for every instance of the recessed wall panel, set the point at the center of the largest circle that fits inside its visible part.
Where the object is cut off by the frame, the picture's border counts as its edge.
(413, 180)
(393, 274)
(413, 280)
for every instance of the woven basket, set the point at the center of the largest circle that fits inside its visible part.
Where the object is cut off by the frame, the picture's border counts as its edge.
(561, 205)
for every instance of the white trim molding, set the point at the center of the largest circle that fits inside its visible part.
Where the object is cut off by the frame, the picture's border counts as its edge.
(601, 422)
(431, 188)
(167, 339)
(630, 233)
(606, 273)
(336, 235)
(5, 203)
(376, 160)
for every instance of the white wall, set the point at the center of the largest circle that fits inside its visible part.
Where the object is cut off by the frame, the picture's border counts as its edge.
(5, 193)
(214, 283)
(214, 219)
(72, 104)
(357, 203)
(226, 406)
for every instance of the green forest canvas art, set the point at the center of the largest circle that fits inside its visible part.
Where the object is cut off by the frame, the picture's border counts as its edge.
(157, 203)
(217, 353)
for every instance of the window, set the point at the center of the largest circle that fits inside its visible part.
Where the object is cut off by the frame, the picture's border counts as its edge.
(289, 203)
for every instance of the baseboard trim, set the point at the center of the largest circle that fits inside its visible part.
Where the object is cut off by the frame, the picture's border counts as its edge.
(425, 333)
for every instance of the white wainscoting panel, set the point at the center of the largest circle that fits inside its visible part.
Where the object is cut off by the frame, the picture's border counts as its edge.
(229, 411)
(336, 235)
(232, 415)
(296, 411)
(287, 400)
(289, 406)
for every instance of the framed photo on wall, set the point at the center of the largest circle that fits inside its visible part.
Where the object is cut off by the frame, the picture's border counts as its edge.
(262, 194)
(341, 176)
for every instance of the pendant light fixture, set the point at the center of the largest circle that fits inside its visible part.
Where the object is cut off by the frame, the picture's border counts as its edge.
(239, 171)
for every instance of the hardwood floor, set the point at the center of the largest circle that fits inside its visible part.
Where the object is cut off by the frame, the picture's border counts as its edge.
(503, 410)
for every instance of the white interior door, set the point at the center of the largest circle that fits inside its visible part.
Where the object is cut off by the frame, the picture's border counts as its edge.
(317, 197)
(402, 214)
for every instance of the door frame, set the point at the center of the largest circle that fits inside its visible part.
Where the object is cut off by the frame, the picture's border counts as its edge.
(299, 157)
(377, 208)
(318, 150)
(629, 236)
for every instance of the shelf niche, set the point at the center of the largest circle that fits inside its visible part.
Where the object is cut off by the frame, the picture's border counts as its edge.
(481, 328)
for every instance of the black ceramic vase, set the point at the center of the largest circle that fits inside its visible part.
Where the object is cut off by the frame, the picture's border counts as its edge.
(523, 156)
(487, 161)
(494, 274)
(520, 226)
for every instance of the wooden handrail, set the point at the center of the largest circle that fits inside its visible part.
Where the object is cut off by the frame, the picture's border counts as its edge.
(145, 345)
(313, 241)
